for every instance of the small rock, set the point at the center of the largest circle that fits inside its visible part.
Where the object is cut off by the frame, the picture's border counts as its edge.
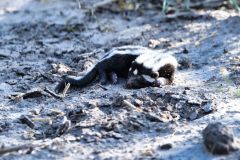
(138, 102)
(180, 104)
(166, 146)
(165, 116)
(63, 127)
(185, 63)
(35, 111)
(4, 126)
(153, 117)
(92, 103)
(175, 115)
(114, 135)
(153, 43)
(208, 107)
(148, 152)
(5, 88)
(12, 81)
(185, 50)
(219, 139)
(60, 68)
(90, 138)
(235, 77)
(187, 88)
(169, 108)
(193, 115)
(87, 64)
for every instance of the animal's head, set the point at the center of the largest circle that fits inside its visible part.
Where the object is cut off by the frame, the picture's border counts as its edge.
(140, 76)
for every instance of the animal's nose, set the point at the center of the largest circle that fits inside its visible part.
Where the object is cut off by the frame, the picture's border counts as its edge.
(129, 82)
(128, 85)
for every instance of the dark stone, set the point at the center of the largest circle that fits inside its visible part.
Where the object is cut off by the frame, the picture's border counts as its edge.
(235, 77)
(185, 50)
(4, 126)
(193, 115)
(185, 63)
(219, 139)
(166, 146)
(26, 120)
(208, 107)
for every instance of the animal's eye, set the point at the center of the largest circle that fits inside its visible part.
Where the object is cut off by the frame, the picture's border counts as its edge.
(135, 72)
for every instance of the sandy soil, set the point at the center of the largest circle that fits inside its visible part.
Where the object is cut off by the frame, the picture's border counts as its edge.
(38, 35)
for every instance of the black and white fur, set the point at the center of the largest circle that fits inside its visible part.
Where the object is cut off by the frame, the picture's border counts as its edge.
(117, 63)
(155, 69)
(113, 64)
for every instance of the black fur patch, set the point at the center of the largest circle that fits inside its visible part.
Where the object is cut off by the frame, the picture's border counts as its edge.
(117, 62)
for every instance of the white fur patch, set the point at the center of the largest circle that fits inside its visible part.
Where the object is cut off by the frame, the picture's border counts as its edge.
(162, 81)
(147, 58)
(150, 59)
(126, 50)
(155, 60)
(148, 78)
(150, 63)
(135, 72)
(165, 60)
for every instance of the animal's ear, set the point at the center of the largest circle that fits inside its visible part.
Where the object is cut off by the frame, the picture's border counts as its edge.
(155, 74)
(134, 64)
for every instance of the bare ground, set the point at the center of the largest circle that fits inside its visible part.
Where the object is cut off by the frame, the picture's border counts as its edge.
(36, 36)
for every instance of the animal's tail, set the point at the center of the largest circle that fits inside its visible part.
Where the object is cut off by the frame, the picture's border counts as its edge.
(77, 81)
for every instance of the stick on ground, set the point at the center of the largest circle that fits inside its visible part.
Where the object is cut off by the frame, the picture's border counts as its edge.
(52, 93)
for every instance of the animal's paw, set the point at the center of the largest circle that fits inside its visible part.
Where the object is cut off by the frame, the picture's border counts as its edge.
(161, 82)
(139, 81)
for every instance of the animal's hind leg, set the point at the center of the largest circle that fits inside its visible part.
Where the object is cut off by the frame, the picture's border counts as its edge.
(102, 76)
(113, 77)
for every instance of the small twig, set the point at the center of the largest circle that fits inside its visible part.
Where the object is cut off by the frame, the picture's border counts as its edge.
(127, 103)
(204, 38)
(23, 147)
(26, 120)
(83, 126)
(65, 90)
(58, 112)
(2, 56)
(52, 93)
(181, 15)
(16, 149)
(102, 3)
(79, 4)
(32, 94)
(48, 120)
(101, 86)
(29, 94)
(206, 4)
(151, 117)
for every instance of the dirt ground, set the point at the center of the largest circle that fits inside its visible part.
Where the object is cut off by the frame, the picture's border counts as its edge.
(42, 39)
